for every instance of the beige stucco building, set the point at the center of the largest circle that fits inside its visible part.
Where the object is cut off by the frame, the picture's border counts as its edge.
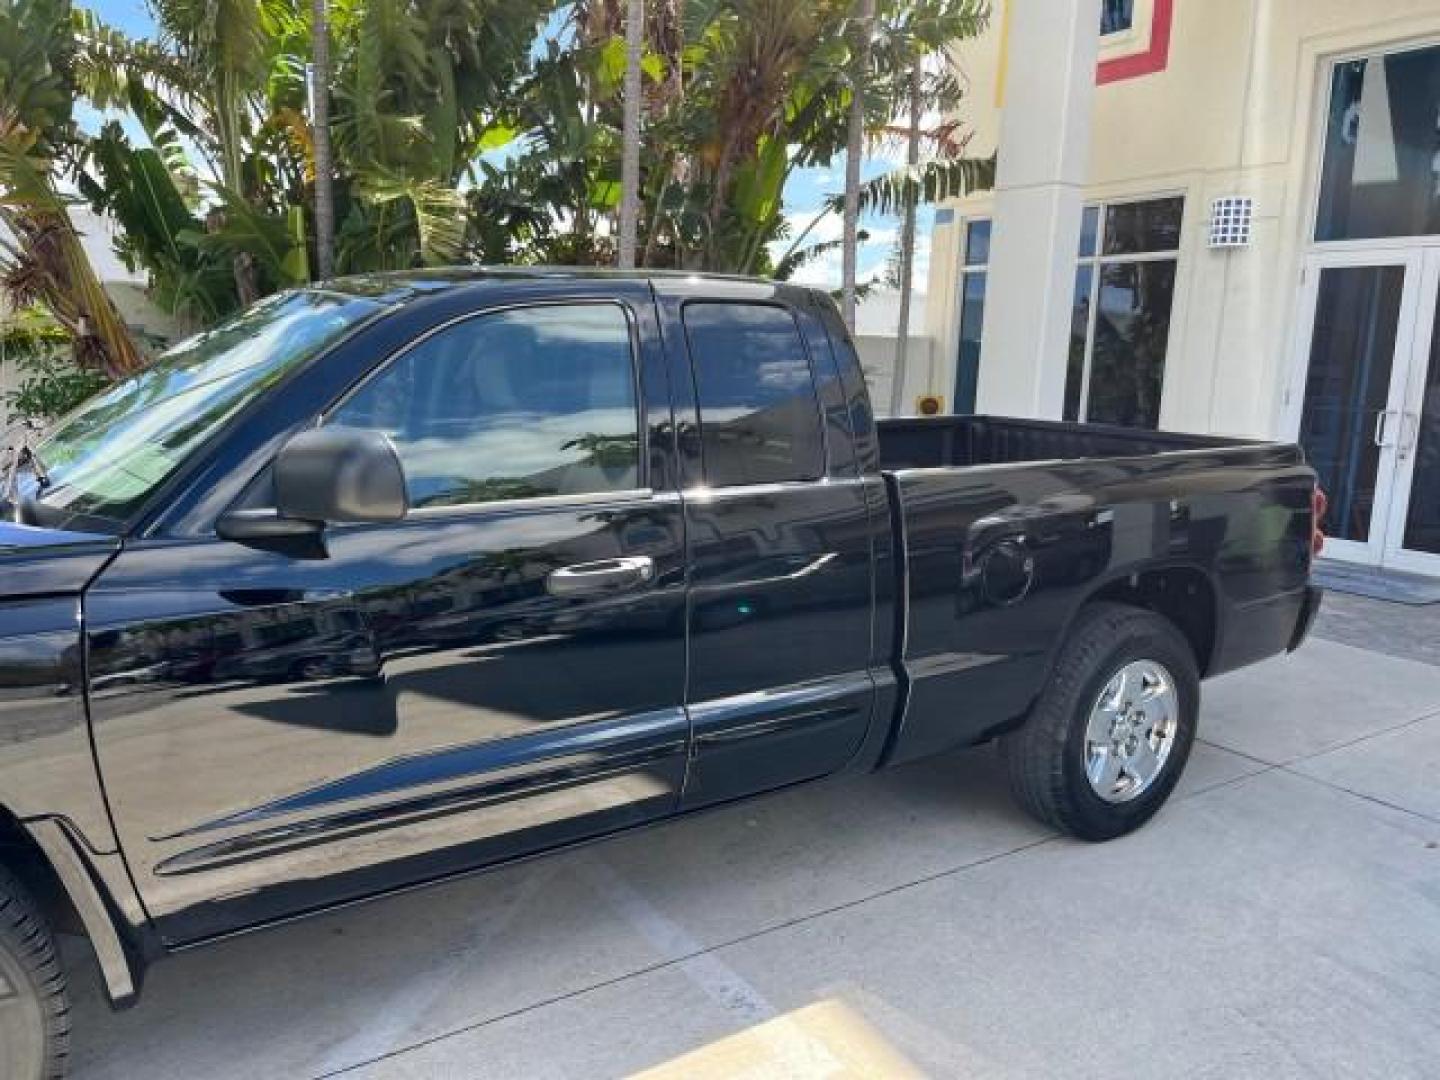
(1321, 118)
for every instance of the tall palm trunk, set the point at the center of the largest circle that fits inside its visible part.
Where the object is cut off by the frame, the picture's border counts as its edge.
(907, 239)
(667, 29)
(320, 128)
(854, 148)
(630, 150)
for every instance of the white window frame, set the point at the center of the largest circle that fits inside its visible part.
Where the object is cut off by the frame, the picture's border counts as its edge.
(1326, 65)
(1317, 58)
(966, 269)
(1097, 261)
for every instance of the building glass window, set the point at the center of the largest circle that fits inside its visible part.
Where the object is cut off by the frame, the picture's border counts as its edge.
(973, 276)
(1116, 16)
(1381, 171)
(1137, 227)
(1089, 230)
(1079, 337)
(977, 242)
(1124, 290)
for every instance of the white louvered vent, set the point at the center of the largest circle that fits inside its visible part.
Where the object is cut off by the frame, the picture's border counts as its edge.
(1230, 220)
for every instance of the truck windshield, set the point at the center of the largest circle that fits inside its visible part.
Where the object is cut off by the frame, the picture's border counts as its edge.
(105, 457)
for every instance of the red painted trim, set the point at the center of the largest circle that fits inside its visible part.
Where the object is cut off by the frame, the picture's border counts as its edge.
(1155, 58)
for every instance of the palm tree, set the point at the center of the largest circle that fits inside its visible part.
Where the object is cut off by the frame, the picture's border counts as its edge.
(43, 259)
(907, 240)
(764, 95)
(854, 148)
(320, 138)
(737, 94)
(630, 145)
(200, 88)
(417, 89)
(928, 26)
(733, 96)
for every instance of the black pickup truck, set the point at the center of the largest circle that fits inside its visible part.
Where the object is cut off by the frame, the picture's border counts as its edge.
(406, 576)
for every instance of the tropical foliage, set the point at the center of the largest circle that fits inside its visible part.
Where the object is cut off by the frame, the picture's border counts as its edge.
(459, 130)
(49, 383)
(218, 208)
(41, 256)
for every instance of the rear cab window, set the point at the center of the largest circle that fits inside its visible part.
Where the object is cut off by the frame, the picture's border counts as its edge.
(759, 413)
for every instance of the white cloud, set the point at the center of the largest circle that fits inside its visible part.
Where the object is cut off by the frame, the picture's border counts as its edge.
(874, 252)
(824, 271)
(879, 315)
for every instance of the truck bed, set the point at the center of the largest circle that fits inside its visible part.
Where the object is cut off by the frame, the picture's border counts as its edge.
(930, 442)
(1006, 527)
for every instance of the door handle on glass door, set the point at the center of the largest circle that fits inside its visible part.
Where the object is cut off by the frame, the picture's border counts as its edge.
(604, 576)
(1382, 426)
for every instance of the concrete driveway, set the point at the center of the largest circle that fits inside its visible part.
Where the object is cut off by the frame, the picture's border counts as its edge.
(1280, 918)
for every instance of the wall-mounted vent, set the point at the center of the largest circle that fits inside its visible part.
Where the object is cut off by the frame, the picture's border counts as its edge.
(1230, 221)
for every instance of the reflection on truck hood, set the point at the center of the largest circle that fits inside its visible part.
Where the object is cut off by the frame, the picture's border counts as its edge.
(36, 562)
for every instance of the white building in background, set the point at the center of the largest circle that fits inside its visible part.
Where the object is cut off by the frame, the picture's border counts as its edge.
(876, 320)
(1216, 216)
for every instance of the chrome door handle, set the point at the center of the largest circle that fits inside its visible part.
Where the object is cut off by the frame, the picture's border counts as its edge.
(604, 576)
(1382, 425)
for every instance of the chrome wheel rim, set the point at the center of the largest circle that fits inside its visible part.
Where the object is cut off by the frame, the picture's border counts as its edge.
(1131, 731)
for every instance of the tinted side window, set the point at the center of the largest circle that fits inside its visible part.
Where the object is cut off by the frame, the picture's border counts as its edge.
(511, 405)
(759, 419)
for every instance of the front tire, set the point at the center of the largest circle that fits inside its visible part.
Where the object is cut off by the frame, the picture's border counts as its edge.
(34, 1006)
(1107, 740)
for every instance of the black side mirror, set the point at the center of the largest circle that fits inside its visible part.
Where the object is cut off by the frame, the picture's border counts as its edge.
(332, 474)
(321, 476)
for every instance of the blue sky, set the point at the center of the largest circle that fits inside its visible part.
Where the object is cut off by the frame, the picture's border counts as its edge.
(804, 195)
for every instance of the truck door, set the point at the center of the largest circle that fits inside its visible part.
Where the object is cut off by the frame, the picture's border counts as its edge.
(499, 672)
(780, 547)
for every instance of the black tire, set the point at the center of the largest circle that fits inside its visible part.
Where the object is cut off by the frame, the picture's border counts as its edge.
(34, 1005)
(1045, 757)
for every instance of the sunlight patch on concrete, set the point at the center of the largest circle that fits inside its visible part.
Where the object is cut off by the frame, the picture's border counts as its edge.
(828, 1039)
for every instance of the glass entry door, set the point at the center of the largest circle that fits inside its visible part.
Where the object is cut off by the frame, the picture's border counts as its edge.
(1414, 527)
(1368, 412)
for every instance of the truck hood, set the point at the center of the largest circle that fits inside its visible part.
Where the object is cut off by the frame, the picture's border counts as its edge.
(44, 562)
